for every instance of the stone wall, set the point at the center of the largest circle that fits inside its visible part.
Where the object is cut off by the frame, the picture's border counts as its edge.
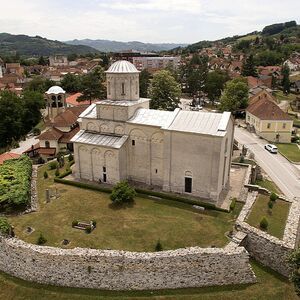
(120, 270)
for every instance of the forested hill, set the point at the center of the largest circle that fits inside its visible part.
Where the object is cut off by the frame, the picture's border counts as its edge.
(287, 33)
(36, 46)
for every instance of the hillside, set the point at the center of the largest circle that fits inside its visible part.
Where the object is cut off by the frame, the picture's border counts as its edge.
(36, 46)
(115, 46)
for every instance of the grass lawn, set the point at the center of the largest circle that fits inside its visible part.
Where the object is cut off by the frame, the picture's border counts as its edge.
(41, 125)
(269, 185)
(248, 37)
(135, 228)
(291, 151)
(276, 218)
(281, 96)
(270, 286)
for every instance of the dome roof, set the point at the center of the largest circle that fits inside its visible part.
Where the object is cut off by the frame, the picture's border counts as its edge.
(122, 66)
(55, 90)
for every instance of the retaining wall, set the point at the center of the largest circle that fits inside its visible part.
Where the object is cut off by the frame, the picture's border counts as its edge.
(120, 270)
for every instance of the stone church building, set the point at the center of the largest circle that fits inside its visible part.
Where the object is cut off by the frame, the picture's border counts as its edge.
(177, 151)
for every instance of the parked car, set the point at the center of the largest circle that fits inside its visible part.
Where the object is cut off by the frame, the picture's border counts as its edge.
(271, 148)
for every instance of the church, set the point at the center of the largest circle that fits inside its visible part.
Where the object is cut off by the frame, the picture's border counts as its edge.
(120, 138)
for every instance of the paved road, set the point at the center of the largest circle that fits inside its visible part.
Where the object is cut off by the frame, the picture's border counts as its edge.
(280, 170)
(25, 145)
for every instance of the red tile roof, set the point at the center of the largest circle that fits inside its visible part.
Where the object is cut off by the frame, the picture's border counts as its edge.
(51, 134)
(253, 82)
(267, 110)
(7, 155)
(67, 136)
(46, 151)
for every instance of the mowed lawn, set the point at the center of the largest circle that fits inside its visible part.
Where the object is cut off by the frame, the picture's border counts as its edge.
(291, 151)
(136, 228)
(276, 216)
(270, 286)
(269, 185)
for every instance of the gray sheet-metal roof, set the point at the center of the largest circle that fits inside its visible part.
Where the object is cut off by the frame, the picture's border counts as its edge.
(201, 122)
(97, 139)
(90, 112)
(122, 102)
(153, 117)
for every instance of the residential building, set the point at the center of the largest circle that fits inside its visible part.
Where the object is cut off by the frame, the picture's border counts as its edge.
(153, 64)
(58, 61)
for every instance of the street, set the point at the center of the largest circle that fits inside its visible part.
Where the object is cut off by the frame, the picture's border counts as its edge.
(280, 170)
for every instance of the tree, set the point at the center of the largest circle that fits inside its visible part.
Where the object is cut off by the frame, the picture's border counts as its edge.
(294, 260)
(33, 102)
(42, 61)
(285, 71)
(5, 227)
(92, 85)
(214, 84)
(164, 91)
(122, 193)
(235, 95)
(248, 67)
(39, 84)
(105, 61)
(71, 83)
(144, 83)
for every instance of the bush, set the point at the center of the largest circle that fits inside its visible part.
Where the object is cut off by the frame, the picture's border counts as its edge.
(70, 157)
(94, 223)
(88, 229)
(57, 172)
(122, 193)
(270, 204)
(273, 197)
(4, 226)
(232, 204)
(41, 240)
(264, 223)
(53, 165)
(158, 246)
(242, 159)
(45, 175)
(36, 131)
(74, 223)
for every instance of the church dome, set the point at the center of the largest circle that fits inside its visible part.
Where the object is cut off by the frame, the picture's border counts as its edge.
(122, 66)
(55, 90)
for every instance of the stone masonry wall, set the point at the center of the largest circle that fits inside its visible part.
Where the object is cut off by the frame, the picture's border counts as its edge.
(120, 270)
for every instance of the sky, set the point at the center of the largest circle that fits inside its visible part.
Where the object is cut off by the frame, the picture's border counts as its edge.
(184, 21)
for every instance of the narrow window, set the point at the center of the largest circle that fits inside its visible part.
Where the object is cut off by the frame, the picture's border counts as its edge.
(188, 184)
(155, 171)
(123, 88)
(47, 144)
(284, 125)
(133, 142)
(108, 87)
(104, 169)
(269, 125)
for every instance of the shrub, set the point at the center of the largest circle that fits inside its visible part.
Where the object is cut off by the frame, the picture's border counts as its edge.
(264, 223)
(94, 223)
(57, 172)
(45, 175)
(158, 246)
(41, 240)
(242, 159)
(4, 226)
(40, 161)
(122, 193)
(70, 157)
(36, 131)
(232, 204)
(88, 229)
(74, 223)
(273, 197)
(53, 165)
(270, 204)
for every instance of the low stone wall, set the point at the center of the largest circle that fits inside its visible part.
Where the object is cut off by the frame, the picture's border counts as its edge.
(120, 270)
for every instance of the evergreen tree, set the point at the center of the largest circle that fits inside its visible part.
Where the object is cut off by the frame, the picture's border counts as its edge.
(92, 85)
(71, 83)
(164, 91)
(235, 95)
(285, 71)
(248, 68)
(144, 83)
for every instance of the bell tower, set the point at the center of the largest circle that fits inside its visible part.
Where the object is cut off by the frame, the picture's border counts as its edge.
(56, 101)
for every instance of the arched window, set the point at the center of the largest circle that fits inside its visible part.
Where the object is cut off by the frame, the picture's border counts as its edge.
(188, 182)
(47, 144)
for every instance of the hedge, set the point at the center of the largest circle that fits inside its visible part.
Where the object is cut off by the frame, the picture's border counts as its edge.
(141, 192)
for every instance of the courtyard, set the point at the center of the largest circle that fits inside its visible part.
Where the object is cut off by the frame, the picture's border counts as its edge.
(135, 228)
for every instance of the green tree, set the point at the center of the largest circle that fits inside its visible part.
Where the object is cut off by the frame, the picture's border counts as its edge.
(5, 227)
(39, 84)
(285, 71)
(214, 84)
(164, 91)
(235, 95)
(122, 193)
(33, 102)
(105, 61)
(71, 83)
(144, 83)
(92, 85)
(42, 61)
(294, 260)
(248, 67)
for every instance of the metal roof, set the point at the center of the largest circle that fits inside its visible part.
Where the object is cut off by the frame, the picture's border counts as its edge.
(122, 66)
(97, 139)
(153, 117)
(55, 90)
(200, 122)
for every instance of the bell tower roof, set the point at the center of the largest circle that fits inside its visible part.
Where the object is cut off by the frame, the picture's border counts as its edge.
(122, 66)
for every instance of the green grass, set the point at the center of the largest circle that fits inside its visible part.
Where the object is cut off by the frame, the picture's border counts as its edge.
(270, 286)
(276, 216)
(269, 185)
(135, 228)
(41, 125)
(248, 37)
(291, 151)
(279, 95)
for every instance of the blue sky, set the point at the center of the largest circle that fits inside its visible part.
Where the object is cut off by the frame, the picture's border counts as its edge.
(184, 21)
